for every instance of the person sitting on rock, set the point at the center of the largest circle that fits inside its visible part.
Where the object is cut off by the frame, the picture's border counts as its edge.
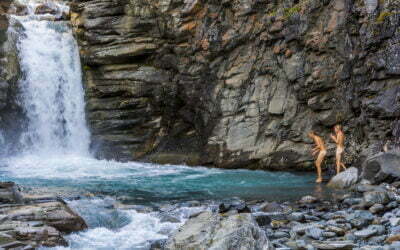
(321, 150)
(339, 140)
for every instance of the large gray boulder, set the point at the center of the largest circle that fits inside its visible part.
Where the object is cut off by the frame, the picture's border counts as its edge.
(9, 193)
(344, 179)
(382, 167)
(218, 232)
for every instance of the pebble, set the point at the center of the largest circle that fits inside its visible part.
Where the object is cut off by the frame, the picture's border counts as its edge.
(377, 239)
(263, 220)
(394, 221)
(360, 218)
(280, 234)
(352, 201)
(376, 208)
(311, 218)
(296, 216)
(392, 205)
(308, 199)
(365, 233)
(314, 233)
(333, 244)
(329, 234)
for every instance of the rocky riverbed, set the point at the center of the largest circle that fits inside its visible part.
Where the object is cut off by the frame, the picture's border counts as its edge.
(367, 217)
(27, 221)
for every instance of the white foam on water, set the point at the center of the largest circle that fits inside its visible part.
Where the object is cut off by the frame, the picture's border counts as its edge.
(78, 167)
(135, 235)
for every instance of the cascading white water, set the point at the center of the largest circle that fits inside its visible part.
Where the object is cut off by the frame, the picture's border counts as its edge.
(51, 91)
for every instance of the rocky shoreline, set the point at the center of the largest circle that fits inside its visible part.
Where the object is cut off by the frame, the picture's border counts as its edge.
(365, 217)
(363, 212)
(27, 222)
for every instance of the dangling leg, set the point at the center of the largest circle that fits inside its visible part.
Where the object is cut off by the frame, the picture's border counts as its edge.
(318, 164)
(339, 163)
(338, 160)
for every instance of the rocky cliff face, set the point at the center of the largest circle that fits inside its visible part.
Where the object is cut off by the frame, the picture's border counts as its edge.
(9, 75)
(238, 83)
(4, 5)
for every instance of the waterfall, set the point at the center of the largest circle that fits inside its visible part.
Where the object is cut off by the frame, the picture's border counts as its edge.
(52, 94)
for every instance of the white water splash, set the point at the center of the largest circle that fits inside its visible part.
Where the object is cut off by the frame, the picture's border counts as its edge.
(52, 93)
(134, 231)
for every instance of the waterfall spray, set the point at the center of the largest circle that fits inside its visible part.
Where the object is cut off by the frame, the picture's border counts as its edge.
(51, 89)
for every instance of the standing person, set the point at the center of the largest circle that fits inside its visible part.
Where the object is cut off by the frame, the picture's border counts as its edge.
(321, 150)
(339, 140)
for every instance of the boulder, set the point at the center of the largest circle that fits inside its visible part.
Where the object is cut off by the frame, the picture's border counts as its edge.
(213, 231)
(238, 206)
(382, 167)
(376, 197)
(54, 214)
(43, 9)
(27, 221)
(344, 179)
(18, 9)
(9, 193)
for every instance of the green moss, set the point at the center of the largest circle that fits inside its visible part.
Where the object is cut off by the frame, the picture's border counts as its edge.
(86, 67)
(381, 18)
(272, 13)
(291, 11)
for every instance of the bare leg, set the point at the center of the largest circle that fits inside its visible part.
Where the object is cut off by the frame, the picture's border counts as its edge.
(318, 164)
(338, 159)
(339, 163)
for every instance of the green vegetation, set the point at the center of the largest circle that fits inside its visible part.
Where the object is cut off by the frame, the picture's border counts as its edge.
(288, 12)
(291, 11)
(272, 13)
(381, 18)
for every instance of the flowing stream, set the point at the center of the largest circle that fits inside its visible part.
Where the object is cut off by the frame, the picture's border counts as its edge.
(55, 154)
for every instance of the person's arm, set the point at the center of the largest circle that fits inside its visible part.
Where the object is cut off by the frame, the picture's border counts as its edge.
(334, 138)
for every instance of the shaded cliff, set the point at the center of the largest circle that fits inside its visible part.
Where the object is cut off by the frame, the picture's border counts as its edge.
(11, 115)
(4, 75)
(238, 83)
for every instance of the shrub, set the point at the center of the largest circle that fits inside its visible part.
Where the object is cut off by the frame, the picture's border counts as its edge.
(381, 18)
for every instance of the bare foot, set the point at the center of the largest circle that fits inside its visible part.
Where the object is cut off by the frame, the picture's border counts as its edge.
(319, 180)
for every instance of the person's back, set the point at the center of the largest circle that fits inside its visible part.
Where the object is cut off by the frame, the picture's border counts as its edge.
(321, 150)
(320, 143)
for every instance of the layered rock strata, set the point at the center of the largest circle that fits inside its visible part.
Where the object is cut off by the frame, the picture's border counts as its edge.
(32, 221)
(238, 83)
